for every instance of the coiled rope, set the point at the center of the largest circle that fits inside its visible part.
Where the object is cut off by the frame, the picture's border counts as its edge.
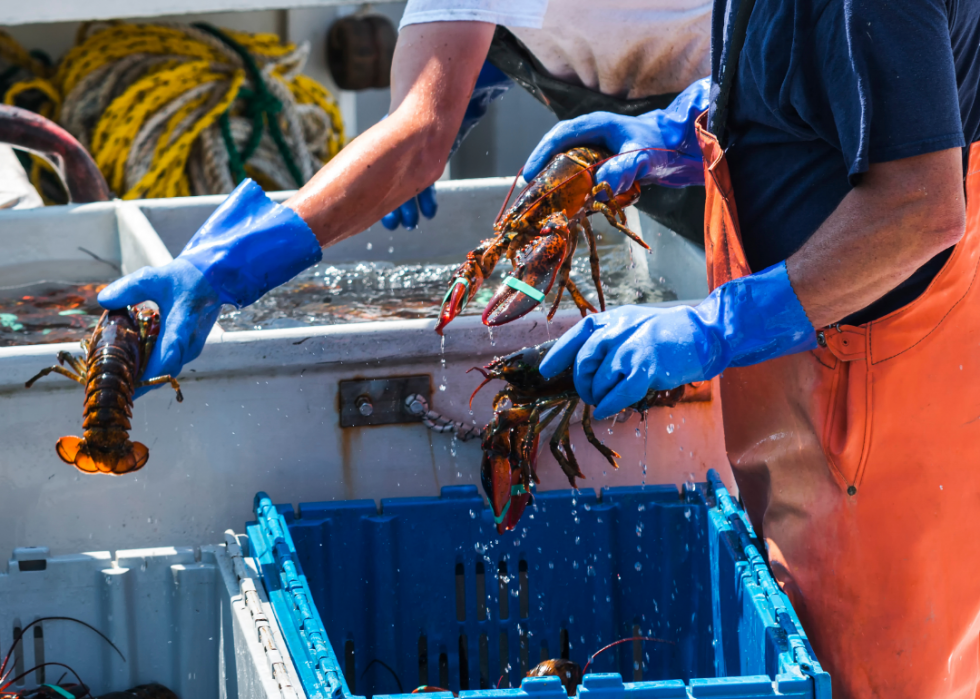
(172, 110)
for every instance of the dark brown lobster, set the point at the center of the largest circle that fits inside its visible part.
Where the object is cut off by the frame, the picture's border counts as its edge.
(28, 131)
(539, 235)
(522, 410)
(111, 371)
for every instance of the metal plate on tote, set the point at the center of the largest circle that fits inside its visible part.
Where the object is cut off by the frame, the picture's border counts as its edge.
(380, 401)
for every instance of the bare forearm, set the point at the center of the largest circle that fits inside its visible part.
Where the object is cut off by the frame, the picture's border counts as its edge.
(436, 66)
(901, 215)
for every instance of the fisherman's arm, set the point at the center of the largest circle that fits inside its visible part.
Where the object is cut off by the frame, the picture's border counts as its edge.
(433, 73)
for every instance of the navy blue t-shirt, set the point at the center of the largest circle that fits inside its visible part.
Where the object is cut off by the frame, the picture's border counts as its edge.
(825, 87)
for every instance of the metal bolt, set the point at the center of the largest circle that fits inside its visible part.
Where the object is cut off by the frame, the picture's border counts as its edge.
(821, 338)
(364, 406)
(415, 405)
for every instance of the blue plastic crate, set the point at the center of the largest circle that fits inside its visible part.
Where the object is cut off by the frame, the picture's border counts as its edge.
(424, 592)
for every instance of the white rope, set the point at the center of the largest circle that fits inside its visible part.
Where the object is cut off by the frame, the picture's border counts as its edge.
(416, 404)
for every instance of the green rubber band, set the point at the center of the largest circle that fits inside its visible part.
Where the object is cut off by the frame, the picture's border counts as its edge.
(500, 519)
(524, 288)
(59, 690)
(457, 281)
(514, 490)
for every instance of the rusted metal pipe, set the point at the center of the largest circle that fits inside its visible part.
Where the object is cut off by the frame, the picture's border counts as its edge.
(31, 132)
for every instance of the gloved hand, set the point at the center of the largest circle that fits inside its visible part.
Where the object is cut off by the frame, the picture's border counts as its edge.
(622, 354)
(659, 147)
(490, 84)
(408, 213)
(248, 246)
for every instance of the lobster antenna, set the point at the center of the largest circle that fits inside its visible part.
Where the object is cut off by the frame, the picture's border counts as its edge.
(486, 379)
(624, 640)
(509, 192)
(386, 667)
(6, 658)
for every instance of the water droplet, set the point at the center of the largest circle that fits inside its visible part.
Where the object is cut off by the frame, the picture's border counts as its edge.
(670, 428)
(641, 508)
(575, 565)
(551, 566)
(442, 387)
(391, 249)
(369, 246)
(638, 566)
(578, 539)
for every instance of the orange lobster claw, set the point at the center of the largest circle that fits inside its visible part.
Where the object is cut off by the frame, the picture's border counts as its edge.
(532, 281)
(468, 280)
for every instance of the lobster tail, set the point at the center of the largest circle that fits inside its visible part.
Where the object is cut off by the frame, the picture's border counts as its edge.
(88, 459)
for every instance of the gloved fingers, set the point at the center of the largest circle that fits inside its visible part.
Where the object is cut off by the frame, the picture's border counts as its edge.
(409, 213)
(562, 354)
(392, 221)
(145, 284)
(183, 332)
(602, 128)
(628, 391)
(427, 201)
(621, 171)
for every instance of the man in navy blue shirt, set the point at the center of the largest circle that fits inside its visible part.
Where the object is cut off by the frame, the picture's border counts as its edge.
(844, 315)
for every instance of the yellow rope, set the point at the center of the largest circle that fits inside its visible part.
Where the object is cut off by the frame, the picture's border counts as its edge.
(168, 168)
(308, 91)
(49, 90)
(140, 96)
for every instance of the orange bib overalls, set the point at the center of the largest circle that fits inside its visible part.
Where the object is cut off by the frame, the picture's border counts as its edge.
(859, 465)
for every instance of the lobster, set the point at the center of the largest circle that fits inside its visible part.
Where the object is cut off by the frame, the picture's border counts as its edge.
(522, 410)
(539, 235)
(111, 371)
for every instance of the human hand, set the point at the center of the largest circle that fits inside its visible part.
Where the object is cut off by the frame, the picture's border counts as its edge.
(408, 213)
(622, 354)
(188, 305)
(659, 147)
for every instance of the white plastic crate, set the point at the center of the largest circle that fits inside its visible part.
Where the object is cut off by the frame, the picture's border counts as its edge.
(196, 620)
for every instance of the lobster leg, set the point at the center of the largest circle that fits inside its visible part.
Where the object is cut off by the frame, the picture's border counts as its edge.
(583, 305)
(594, 261)
(162, 380)
(56, 370)
(610, 455)
(610, 215)
(560, 442)
(74, 362)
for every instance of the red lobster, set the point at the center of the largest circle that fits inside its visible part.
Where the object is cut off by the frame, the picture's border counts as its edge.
(539, 235)
(111, 371)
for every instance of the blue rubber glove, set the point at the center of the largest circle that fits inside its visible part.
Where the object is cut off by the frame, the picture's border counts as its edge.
(622, 354)
(248, 246)
(672, 129)
(490, 84)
